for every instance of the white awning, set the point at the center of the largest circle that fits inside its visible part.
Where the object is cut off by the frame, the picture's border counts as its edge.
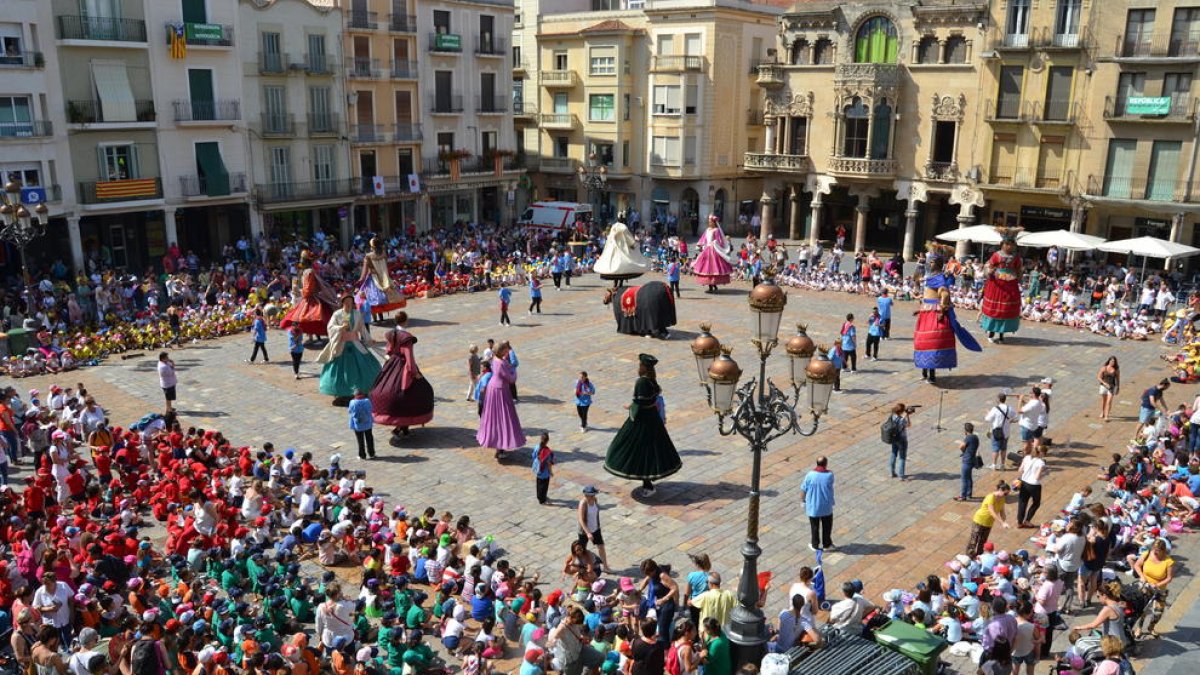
(116, 96)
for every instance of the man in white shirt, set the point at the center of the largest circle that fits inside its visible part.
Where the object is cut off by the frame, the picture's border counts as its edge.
(1000, 417)
(54, 600)
(1032, 408)
(849, 612)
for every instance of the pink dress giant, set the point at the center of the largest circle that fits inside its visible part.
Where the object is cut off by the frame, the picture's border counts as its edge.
(712, 266)
(499, 426)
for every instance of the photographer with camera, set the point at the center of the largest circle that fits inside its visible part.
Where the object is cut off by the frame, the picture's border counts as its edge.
(895, 433)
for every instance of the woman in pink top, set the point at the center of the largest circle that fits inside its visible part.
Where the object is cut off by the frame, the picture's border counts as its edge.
(1114, 653)
(1046, 603)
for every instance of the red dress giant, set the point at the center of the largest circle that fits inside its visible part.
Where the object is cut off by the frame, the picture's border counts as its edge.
(1001, 306)
(314, 308)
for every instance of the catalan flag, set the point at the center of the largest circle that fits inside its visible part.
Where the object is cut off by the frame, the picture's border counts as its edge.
(455, 169)
(178, 41)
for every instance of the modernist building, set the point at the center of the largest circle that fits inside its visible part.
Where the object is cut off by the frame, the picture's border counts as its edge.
(290, 54)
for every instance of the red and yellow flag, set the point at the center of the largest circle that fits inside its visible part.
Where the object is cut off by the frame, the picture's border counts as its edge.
(178, 41)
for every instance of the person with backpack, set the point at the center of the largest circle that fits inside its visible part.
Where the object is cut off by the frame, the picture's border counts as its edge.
(543, 467)
(894, 432)
(1000, 417)
(145, 655)
(968, 451)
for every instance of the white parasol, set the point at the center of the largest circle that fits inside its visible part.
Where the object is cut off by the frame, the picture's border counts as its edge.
(1064, 239)
(979, 234)
(1149, 247)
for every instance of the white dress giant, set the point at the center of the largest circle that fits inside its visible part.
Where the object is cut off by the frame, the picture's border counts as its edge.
(621, 258)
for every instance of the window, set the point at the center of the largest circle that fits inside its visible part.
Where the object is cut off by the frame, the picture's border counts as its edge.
(1017, 27)
(518, 95)
(689, 151)
(1066, 23)
(876, 41)
(1129, 84)
(600, 108)
(665, 151)
(443, 90)
(881, 132)
(118, 162)
(487, 93)
(274, 101)
(1164, 170)
(516, 57)
(405, 164)
(560, 60)
(603, 61)
(441, 21)
(214, 178)
(200, 89)
(943, 143)
(280, 165)
(16, 116)
(625, 154)
(1139, 28)
(487, 143)
(316, 53)
(800, 52)
(603, 152)
(797, 136)
(1004, 157)
(272, 56)
(10, 44)
(445, 141)
(112, 87)
(692, 45)
(1178, 86)
(692, 102)
(856, 121)
(1049, 169)
(956, 49)
(1118, 170)
(27, 175)
(321, 116)
(1058, 93)
(560, 103)
(487, 29)
(1008, 106)
(1185, 32)
(562, 146)
(666, 45)
(194, 11)
(666, 99)
(823, 52)
(928, 50)
(626, 106)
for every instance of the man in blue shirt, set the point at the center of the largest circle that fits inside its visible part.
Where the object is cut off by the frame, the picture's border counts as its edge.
(259, 331)
(505, 298)
(673, 277)
(818, 504)
(884, 302)
(361, 422)
(850, 343)
(556, 270)
(874, 332)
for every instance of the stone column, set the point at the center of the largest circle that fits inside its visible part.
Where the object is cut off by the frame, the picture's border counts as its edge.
(794, 214)
(769, 144)
(910, 231)
(941, 51)
(966, 218)
(76, 240)
(860, 222)
(347, 225)
(814, 227)
(256, 223)
(170, 226)
(767, 227)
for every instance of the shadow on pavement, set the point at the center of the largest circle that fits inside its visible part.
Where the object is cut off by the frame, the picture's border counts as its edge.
(670, 493)
(868, 549)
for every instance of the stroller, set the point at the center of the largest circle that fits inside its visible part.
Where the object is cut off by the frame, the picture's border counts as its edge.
(1137, 598)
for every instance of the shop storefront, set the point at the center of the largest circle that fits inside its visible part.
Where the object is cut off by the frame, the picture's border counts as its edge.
(128, 242)
(205, 230)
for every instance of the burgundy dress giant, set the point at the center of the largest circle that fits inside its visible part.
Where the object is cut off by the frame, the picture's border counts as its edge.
(401, 396)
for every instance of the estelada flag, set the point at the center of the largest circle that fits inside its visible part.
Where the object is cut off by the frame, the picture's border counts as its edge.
(178, 41)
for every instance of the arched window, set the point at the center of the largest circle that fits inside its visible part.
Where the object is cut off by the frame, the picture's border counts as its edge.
(857, 120)
(881, 131)
(876, 41)
(823, 52)
(800, 52)
(928, 50)
(956, 49)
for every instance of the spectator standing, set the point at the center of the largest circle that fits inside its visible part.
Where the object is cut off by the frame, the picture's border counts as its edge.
(296, 348)
(167, 379)
(543, 467)
(535, 293)
(361, 423)
(874, 334)
(584, 390)
(505, 295)
(1000, 417)
(1031, 409)
(474, 368)
(673, 277)
(1029, 494)
(818, 504)
(884, 304)
(902, 419)
(258, 330)
(850, 343)
(968, 451)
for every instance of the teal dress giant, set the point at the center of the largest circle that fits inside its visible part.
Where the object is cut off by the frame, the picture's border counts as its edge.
(642, 449)
(347, 363)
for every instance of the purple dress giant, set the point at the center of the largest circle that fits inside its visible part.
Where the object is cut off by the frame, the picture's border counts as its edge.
(499, 426)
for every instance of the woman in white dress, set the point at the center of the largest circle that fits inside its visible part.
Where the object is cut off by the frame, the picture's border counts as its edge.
(621, 260)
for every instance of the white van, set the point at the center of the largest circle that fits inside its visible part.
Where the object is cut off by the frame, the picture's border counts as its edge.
(554, 215)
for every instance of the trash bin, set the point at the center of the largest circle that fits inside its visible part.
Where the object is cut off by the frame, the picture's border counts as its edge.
(917, 644)
(18, 341)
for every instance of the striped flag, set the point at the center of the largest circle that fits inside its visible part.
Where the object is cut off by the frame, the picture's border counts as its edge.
(455, 169)
(178, 41)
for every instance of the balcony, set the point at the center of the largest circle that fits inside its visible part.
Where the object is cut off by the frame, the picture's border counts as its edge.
(871, 75)
(557, 165)
(770, 76)
(862, 167)
(360, 20)
(1141, 188)
(946, 172)
(317, 64)
(272, 63)
(1054, 111)
(491, 105)
(198, 186)
(566, 121)
(676, 64)
(275, 193)
(276, 125)
(445, 43)
(203, 34)
(559, 79)
(91, 112)
(404, 70)
(1044, 38)
(323, 124)
(1179, 48)
(30, 129)
(407, 132)
(525, 110)
(488, 45)
(1006, 109)
(402, 23)
(1049, 178)
(228, 110)
(368, 133)
(446, 104)
(1156, 109)
(363, 68)
(23, 60)
(121, 190)
(520, 66)
(771, 162)
(101, 29)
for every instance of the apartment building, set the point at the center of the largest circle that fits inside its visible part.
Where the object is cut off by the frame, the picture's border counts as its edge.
(468, 167)
(638, 89)
(381, 45)
(295, 104)
(195, 65)
(32, 142)
(872, 114)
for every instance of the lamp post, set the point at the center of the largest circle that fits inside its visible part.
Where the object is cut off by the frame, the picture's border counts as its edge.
(594, 176)
(19, 225)
(759, 412)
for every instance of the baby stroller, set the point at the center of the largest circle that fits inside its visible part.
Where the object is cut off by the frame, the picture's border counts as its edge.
(1085, 655)
(1137, 598)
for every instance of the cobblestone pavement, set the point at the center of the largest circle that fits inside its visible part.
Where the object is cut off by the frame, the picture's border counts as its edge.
(888, 532)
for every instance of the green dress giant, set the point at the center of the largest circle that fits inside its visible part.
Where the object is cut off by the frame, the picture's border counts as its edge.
(642, 449)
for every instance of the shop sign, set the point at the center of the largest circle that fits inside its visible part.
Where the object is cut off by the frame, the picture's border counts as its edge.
(1045, 213)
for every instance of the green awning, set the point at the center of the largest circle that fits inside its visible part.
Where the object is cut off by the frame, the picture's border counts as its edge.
(212, 170)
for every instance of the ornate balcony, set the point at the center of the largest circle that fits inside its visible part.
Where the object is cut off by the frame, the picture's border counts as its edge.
(762, 161)
(770, 76)
(946, 172)
(869, 74)
(862, 167)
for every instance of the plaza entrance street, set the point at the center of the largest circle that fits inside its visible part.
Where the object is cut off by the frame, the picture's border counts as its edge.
(888, 533)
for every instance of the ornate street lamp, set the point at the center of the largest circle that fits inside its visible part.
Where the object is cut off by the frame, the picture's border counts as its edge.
(759, 412)
(19, 225)
(594, 176)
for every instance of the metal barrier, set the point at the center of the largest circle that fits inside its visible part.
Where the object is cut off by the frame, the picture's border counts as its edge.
(844, 654)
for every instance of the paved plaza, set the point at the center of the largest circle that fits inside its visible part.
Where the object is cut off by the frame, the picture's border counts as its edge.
(887, 532)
